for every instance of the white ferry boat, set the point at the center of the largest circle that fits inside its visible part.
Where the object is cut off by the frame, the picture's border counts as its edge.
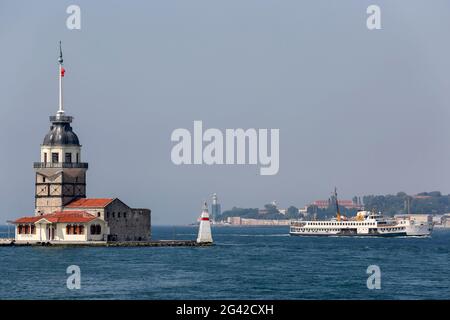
(365, 223)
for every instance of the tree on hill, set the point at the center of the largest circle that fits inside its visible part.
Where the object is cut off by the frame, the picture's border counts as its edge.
(292, 212)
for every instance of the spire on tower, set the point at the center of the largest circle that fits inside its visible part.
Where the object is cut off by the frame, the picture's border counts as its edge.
(61, 75)
(60, 60)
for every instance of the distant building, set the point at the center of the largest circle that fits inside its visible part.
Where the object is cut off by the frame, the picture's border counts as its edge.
(349, 204)
(215, 208)
(234, 220)
(420, 218)
(303, 211)
(238, 221)
(446, 220)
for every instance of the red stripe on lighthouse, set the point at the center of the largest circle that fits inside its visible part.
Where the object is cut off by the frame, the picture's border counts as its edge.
(204, 219)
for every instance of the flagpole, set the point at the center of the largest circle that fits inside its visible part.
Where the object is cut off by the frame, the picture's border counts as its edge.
(60, 60)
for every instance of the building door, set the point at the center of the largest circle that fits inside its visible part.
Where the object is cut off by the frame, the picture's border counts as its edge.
(51, 233)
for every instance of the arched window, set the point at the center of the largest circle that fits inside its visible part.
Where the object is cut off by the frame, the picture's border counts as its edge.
(68, 229)
(33, 229)
(98, 229)
(81, 229)
(19, 228)
(92, 229)
(27, 229)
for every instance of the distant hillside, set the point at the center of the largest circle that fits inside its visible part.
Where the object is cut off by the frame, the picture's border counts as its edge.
(249, 213)
(426, 202)
(401, 203)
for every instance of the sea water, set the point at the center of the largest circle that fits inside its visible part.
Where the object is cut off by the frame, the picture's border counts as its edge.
(244, 263)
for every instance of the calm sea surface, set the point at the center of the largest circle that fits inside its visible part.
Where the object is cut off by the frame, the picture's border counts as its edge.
(245, 263)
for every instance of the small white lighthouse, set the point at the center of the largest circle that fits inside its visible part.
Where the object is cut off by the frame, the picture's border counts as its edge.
(204, 231)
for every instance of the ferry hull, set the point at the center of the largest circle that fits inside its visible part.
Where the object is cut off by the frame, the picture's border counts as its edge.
(386, 235)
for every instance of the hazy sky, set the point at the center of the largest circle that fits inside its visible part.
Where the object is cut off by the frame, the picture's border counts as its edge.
(366, 111)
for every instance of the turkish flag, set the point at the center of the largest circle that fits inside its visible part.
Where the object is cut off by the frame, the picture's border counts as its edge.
(63, 71)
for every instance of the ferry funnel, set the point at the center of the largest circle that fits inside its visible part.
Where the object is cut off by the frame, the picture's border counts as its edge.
(204, 231)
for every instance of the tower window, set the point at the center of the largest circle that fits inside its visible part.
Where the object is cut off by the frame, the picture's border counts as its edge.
(45, 157)
(55, 157)
(68, 157)
(78, 157)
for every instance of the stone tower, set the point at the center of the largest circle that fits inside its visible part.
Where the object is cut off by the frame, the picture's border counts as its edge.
(60, 174)
(215, 208)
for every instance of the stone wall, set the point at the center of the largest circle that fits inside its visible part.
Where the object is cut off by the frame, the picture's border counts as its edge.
(127, 224)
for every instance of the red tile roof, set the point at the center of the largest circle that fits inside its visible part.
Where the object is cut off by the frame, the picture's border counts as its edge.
(90, 203)
(60, 217)
(27, 219)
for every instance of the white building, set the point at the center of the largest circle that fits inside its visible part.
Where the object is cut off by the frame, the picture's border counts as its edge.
(68, 226)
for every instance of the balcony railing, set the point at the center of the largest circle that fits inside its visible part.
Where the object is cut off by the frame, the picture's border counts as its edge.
(69, 165)
(62, 119)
